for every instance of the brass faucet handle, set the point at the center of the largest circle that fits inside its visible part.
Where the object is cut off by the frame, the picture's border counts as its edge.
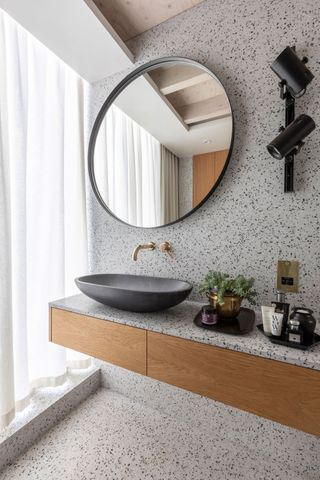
(165, 247)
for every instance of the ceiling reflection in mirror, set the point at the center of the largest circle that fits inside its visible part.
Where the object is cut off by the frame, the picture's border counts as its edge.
(162, 144)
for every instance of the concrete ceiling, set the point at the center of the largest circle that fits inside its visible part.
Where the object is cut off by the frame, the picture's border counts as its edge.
(129, 18)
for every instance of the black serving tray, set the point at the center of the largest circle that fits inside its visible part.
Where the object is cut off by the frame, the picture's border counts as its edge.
(240, 325)
(282, 341)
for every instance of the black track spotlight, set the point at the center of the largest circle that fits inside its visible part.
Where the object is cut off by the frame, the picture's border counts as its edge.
(295, 77)
(291, 138)
(292, 71)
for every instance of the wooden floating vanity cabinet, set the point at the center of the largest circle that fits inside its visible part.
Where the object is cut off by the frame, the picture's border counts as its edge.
(282, 392)
(118, 344)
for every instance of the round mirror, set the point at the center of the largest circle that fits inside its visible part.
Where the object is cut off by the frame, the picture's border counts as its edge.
(161, 143)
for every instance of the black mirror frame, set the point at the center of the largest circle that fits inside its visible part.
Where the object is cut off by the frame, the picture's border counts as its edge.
(109, 101)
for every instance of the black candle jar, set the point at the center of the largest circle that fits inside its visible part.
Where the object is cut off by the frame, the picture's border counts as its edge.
(307, 322)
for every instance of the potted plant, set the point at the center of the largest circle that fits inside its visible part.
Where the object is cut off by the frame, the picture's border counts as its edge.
(227, 293)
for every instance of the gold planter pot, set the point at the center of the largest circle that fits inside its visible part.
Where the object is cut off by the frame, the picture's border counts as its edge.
(231, 306)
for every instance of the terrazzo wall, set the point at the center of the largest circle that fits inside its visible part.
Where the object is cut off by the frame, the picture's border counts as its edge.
(249, 222)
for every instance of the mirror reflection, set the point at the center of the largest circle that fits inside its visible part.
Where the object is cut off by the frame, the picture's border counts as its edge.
(163, 144)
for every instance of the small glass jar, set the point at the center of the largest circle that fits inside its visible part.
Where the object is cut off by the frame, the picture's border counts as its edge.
(209, 315)
(294, 332)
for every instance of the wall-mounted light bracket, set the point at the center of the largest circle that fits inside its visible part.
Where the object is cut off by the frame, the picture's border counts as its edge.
(289, 117)
(294, 78)
(288, 159)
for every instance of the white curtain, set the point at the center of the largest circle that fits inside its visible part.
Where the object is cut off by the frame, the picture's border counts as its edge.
(136, 176)
(42, 209)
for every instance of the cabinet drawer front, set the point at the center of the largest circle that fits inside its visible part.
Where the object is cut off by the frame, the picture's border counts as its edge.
(284, 393)
(118, 344)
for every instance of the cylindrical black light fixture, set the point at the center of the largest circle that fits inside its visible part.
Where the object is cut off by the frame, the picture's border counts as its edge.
(292, 71)
(291, 137)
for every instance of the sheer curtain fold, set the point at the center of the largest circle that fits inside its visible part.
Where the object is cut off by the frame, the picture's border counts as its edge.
(127, 169)
(7, 398)
(43, 209)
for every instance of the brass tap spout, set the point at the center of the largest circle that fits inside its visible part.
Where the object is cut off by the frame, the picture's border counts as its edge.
(147, 246)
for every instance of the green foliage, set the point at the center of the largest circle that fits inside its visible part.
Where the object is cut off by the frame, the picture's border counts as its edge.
(222, 283)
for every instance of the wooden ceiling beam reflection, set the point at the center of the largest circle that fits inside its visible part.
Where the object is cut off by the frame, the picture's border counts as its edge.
(211, 109)
(165, 100)
(193, 93)
(197, 93)
(171, 79)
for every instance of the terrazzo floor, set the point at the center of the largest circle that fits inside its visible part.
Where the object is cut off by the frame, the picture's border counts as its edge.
(112, 437)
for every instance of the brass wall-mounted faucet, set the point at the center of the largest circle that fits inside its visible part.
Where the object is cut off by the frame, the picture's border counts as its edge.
(147, 246)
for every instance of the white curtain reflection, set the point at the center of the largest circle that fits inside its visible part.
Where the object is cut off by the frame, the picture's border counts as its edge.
(134, 172)
(169, 186)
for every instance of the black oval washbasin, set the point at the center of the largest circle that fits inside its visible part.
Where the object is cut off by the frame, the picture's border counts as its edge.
(134, 293)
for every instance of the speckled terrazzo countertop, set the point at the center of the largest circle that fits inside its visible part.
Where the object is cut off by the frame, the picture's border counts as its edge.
(178, 322)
